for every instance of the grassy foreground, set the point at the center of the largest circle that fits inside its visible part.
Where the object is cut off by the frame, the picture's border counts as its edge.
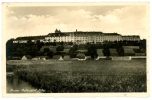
(84, 76)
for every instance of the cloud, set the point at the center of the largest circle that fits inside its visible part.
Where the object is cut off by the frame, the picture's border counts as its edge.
(10, 12)
(130, 20)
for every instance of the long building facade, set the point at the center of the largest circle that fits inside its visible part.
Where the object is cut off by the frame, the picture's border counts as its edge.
(83, 37)
(131, 38)
(75, 37)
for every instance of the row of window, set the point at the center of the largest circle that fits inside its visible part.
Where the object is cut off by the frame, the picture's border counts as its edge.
(64, 41)
(84, 37)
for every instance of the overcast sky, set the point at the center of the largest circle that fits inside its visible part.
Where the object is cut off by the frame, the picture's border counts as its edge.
(33, 21)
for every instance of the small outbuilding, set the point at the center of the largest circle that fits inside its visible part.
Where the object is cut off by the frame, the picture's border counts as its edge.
(26, 57)
(66, 57)
(57, 57)
(36, 58)
(81, 56)
(44, 57)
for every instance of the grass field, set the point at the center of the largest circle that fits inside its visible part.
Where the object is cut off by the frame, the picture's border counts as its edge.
(84, 76)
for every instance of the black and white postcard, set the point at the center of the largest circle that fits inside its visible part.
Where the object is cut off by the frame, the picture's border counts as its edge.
(75, 49)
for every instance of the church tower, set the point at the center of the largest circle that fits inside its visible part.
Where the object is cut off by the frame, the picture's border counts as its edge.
(56, 31)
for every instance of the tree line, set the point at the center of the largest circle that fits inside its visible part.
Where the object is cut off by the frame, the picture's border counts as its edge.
(33, 49)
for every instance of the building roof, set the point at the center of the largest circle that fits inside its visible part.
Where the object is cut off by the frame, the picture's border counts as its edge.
(28, 56)
(111, 34)
(56, 57)
(66, 57)
(57, 34)
(31, 37)
(75, 33)
(92, 32)
(130, 36)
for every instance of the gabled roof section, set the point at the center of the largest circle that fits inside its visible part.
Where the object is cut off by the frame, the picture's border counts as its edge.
(130, 36)
(111, 34)
(75, 33)
(57, 34)
(31, 37)
(28, 56)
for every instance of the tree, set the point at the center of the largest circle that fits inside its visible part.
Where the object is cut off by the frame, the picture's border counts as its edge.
(120, 50)
(9, 47)
(106, 50)
(70, 43)
(54, 43)
(49, 40)
(39, 53)
(19, 52)
(93, 42)
(33, 51)
(62, 43)
(46, 50)
(72, 51)
(39, 44)
(142, 44)
(72, 54)
(120, 43)
(60, 48)
(50, 54)
(75, 47)
(92, 51)
(30, 43)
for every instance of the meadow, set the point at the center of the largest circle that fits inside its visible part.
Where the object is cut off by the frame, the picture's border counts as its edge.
(84, 76)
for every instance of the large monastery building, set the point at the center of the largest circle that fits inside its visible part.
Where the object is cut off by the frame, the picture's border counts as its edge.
(77, 37)
(82, 37)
